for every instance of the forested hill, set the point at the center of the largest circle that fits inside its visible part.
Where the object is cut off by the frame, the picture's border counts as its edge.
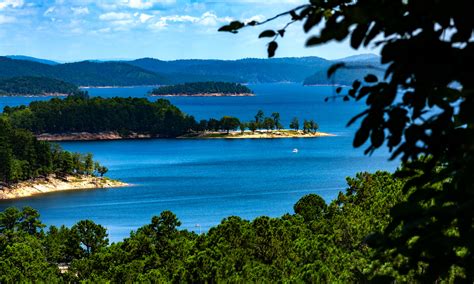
(36, 86)
(34, 59)
(356, 68)
(319, 243)
(202, 88)
(242, 71)
(83, 73)
(23, 157)
(149, 71)
(79, 113)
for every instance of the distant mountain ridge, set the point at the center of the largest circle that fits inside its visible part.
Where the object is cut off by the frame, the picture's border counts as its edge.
(150, 71)
(356, 68)
(83, 73)
(244, 70)
(34, 59)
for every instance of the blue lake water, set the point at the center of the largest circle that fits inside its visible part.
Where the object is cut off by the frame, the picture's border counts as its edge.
(204, 181)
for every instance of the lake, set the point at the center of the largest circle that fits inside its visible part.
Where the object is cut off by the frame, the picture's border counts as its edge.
(204, 181)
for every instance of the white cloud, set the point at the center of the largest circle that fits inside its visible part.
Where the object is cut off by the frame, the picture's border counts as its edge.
(144, 17)
(258, 18)
(113, 16)
(80, 10)
(146, 4)
(11, 3)
(6, 19)
(206, 19)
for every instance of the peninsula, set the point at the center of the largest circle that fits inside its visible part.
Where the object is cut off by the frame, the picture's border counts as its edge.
(260, 134)
(29, 166)
(204, 89)
(53, 183)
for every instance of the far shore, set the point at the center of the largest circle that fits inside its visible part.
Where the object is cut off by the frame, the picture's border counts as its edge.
(56, 184)
(35, 96)
(87, 136)
(116, 87)
(260, 134)
(110, 135)
(205, 95)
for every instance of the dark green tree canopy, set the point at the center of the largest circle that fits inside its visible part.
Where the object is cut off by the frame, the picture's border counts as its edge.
(422, 110)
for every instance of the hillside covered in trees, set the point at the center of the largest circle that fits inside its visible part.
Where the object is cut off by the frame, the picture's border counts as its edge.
(35, 86)
(355, 68)
(202, 88)
(23, 157)
(79, 113)
(319, 243)
(84, 73)
(150, 71)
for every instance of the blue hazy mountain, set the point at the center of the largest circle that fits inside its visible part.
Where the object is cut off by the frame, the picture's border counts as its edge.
(248, 70)
(83, 73)
(150, 71)
(34, 59)
(356, 68)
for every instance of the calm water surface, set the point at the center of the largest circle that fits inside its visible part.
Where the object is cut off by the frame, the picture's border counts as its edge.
(204, 181)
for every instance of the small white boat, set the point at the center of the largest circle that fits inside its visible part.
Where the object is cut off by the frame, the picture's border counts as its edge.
(295, 150)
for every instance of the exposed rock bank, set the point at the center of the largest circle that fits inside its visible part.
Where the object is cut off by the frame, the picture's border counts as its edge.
(54, 184)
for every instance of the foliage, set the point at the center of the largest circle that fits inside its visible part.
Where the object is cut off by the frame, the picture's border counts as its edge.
(249, 70)
(37, 86)
(84, 73)
(200, 88)
(319, 243)
(229, 123)
(295, 124)
(80, 113)
(23, 157)
(422, 109)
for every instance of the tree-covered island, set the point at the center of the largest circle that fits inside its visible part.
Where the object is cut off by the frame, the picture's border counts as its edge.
(261, 126)
(36, 86)
(80, 117)
(208, 89)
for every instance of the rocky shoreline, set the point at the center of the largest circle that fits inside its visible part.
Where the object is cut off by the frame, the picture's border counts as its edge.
(56, 184)
(260, 134)
(87, 136)
(206, 95)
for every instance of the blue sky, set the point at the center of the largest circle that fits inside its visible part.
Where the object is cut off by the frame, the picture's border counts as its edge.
(165, 29)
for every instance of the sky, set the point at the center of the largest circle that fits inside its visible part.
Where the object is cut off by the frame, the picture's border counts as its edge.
(165, 29)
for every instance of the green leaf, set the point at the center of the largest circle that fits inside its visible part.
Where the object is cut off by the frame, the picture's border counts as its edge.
(334, 68)
(267, 33)
(371, 78)
(272, 47)
(358, 35)
(314, 40)
(232, 27)
(252, 23)
(312, 20)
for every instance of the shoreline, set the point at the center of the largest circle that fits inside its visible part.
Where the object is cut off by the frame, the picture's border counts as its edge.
(55, 184)
(116, 87)
(205, 95)
(113, 136)
(87, 136)
(35, 96)
(260, 134)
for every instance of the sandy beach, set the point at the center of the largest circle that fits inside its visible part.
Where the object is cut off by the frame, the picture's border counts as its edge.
(54, 184)
(260, 134)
